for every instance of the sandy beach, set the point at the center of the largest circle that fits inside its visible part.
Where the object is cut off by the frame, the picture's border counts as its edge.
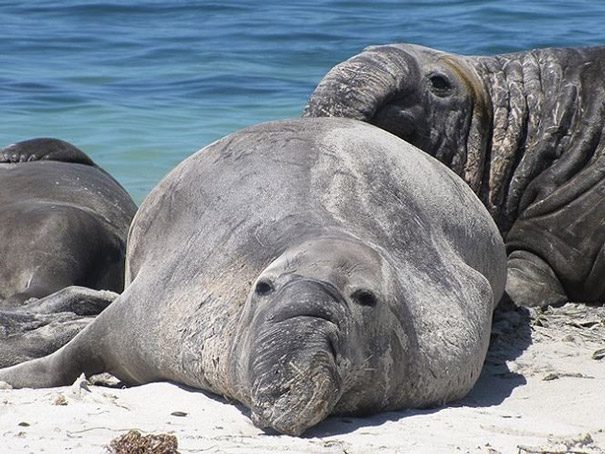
(541, 391)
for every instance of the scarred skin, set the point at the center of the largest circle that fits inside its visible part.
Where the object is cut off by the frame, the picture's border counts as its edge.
(304, 268)
(524, 130)
(64, 225)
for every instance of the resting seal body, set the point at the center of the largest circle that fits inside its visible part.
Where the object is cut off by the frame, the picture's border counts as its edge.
(64, 222)
(304, 268)
(524, 130)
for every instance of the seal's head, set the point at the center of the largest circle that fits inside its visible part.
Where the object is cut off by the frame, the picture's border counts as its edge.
(431, 99)
(312, 334)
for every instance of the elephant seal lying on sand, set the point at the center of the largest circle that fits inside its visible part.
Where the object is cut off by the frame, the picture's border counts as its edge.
(64, 222)
(304, 268)
(524, 130)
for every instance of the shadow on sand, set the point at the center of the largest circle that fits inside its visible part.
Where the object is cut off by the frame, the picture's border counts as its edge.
(511, 335)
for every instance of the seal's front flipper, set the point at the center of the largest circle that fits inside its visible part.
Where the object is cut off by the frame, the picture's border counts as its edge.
(46, 334)
(60, 368)
(41, 326)
(79, 300)
(92, 351)
(532, 282)
(81, 355)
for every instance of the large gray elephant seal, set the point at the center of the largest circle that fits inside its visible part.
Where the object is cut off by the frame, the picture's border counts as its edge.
(304, 268)
(524, 130)
(64, 222)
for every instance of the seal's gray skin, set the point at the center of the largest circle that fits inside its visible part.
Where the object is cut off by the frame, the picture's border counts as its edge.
(524, 130)
(64, 222)
(41, 326)
(304, 268)
(44, 149)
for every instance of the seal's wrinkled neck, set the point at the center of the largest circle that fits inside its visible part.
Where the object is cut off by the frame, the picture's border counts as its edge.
(543, 118)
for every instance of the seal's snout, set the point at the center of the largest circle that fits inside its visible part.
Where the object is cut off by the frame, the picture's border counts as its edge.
(301, 391)
(293, 375)
(358, 87)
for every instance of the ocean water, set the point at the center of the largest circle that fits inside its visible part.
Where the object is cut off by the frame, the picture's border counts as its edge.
(140, 85)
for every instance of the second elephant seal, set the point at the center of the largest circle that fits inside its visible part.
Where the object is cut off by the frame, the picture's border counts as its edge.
(64, 223)
(524, 130)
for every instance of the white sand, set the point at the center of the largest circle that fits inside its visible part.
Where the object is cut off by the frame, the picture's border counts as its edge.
(513, 409)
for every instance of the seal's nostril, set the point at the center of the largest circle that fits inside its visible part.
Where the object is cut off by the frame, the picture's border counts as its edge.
(332, 347)
(263, 287)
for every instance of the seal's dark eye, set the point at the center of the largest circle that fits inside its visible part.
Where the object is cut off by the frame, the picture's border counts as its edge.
(263, 287)
(364, 297)
(440, 84)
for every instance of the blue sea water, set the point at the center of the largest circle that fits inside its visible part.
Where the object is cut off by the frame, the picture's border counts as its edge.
(140, 85)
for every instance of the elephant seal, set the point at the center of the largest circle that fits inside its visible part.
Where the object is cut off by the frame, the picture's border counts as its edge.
(64, 223)
(524, 130)
(304, 268)
(66, 220)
